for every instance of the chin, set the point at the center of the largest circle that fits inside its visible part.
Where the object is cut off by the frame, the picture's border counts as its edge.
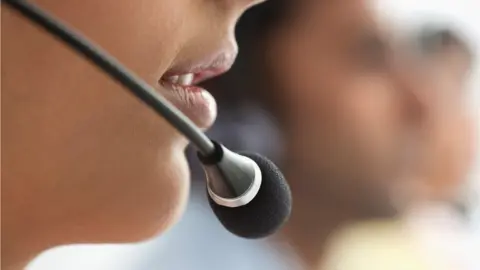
(144, 207)
(167, 202)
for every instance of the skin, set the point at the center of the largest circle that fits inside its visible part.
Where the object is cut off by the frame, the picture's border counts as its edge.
(84, 161)
(449, 128)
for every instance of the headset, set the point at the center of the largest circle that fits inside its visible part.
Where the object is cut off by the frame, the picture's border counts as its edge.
(247, 192)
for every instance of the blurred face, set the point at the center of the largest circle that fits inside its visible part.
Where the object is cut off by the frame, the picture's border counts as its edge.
(448, 128)
(346, 105)
(82, 159)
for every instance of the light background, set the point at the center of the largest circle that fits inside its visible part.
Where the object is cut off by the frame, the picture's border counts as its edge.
(464, 14)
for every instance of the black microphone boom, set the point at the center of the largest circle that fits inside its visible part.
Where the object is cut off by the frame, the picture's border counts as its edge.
(248, 193)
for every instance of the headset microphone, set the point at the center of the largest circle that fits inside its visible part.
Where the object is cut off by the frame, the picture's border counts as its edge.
(247, 192)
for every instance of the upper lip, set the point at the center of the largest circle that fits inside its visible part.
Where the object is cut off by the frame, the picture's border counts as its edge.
(204, 70)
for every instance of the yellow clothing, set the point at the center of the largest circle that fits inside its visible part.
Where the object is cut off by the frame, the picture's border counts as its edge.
(374, 246)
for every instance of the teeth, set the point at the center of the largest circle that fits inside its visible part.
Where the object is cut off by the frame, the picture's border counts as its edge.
(185, 79)
(172, 79)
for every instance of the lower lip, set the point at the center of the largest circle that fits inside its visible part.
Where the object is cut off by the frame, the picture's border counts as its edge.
(195, 102)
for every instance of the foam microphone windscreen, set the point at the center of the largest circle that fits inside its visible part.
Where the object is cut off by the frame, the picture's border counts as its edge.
(267, 212)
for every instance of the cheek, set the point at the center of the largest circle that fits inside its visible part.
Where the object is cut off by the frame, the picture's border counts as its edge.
(305, 96)
(90, 147)
(86, 142)
(135, 32)
(376, 103)
(373, 112)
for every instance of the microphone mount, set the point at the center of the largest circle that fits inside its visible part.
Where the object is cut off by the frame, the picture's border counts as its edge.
(233, 180)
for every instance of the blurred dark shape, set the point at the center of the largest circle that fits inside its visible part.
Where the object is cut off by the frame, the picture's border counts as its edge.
(433, 39)
(443, 44)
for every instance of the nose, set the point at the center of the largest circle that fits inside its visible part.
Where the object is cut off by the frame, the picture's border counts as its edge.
(410, 82)
(231, 11)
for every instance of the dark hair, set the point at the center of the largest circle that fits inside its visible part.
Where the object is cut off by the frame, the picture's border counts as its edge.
(435, 39)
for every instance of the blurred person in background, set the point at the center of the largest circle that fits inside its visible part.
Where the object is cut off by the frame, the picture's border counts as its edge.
(437, 211)
(432, 232)
(449, 128)
(83, 160)
(345, 109)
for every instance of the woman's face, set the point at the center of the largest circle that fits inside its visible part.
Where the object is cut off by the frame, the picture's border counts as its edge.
(83, 160)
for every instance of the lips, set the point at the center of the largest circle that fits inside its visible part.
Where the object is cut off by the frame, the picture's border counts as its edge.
(202, 71)
(178, 85)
